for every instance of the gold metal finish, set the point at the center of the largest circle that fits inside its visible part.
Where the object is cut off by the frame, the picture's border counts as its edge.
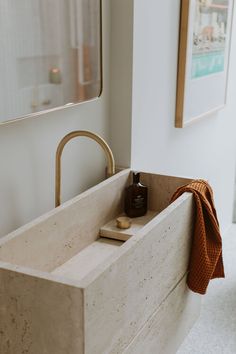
(64, 141)
(123, 223)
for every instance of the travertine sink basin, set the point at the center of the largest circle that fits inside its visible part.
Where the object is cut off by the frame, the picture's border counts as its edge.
(64, 290)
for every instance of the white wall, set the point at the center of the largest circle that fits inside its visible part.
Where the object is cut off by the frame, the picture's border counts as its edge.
(121, 79)
(27, 153)
(207, 148)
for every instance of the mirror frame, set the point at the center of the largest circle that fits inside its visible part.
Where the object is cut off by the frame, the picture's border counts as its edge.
(68, 105)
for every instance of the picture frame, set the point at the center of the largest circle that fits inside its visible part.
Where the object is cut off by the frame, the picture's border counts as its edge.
(204, 51)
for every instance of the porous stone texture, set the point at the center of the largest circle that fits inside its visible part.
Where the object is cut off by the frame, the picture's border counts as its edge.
(114, 301)
(39, 316)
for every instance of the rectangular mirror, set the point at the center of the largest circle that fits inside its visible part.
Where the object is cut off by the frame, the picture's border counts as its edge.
(50, 55)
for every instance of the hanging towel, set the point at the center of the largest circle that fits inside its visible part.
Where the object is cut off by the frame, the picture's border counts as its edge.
(206, 261)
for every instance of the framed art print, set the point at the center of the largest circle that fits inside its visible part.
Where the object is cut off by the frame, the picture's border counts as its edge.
(205, 33)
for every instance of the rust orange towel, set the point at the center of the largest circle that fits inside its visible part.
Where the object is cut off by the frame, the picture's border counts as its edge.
(206, 261)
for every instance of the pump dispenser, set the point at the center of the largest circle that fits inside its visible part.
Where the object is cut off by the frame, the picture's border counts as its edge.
(136, 196)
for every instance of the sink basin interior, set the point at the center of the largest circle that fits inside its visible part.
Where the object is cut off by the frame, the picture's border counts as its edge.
(55, 238)
(88, 259)
(66, 240)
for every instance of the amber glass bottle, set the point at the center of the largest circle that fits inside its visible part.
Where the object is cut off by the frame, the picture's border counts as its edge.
(136, 198)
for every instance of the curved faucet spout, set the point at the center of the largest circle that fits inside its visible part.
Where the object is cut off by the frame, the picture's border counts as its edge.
(64, 141)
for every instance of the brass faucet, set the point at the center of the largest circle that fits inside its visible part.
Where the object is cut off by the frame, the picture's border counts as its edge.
(64, 141)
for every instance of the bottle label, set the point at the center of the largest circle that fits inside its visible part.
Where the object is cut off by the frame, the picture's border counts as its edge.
(138, 202)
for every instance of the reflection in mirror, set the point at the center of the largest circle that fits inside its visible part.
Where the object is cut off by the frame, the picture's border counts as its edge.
(50, 54)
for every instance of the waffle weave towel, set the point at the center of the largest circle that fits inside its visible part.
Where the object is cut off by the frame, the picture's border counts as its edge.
(206, 261)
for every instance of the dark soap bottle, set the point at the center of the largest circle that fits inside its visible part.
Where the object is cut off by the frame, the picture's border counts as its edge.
(136, 196)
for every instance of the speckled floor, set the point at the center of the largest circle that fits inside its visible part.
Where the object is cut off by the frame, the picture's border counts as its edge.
(215, 332)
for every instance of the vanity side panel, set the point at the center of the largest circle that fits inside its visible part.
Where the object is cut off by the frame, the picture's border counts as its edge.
(51, 240)
(131, 288)
(161, 189)
(166, 329)
(38, 316)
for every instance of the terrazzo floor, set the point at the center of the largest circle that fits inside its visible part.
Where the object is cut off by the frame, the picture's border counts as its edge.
(215, 331)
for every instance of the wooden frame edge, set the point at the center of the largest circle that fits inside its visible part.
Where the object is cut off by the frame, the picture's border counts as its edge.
(182, 61)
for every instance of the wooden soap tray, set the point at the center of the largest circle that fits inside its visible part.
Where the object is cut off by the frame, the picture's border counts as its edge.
(110, 230)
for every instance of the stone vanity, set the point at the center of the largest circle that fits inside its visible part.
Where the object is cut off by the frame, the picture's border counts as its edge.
(65, 290)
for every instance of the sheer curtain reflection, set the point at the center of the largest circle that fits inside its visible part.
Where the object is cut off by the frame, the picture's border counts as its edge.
(50, 54)
(85, 37)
